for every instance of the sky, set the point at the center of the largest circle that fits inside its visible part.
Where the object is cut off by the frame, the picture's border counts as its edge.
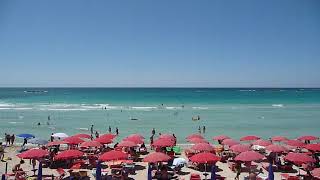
(143, 43)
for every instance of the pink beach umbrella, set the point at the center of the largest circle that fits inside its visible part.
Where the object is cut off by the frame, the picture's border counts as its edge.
(156, 157)
(295, 143)
(239, 148)
(279, 138)
(86, 136)
(249, 138)
(230, 142)
(205, 157)
(90, 144)
(197, 140)
(299, 158)
(202, 147)
(74, 140)
(221, 137)
(276, 148)
(56, 143)
(313, 147)
(307, 138)
(163, 143)
(262, 142)
(113, 155)
(191, 136)
(127, 144)
(33, 154)
(69, 154)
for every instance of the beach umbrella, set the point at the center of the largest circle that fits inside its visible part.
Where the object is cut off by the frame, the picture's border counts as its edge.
(295, 143)
(240, 148)
(60, 135)
(33, 154)
(91, 144)
(194, 136)
(230, 142)
(127, 144)
(213, 172)
(205, 157)
(108, 136)
(74, 140)
(103, 140)
(299, 158)
(28, 136)
(56, 143)
(135, 139)
(156, 157)
(113, 155)
(276, 148)
(39, 177)
(316, 172)
(76, 166)
(279, 138)
(270, 172)
(136, 136)
(85, 136)
(98, 171)
(249, 138)
(38, 141)
(69, 154)
(202, 147)
(164, 142)
(262, 142)
(197, 140)
(179, 161)
(307, 138)
(167, 136)
(249, 156)
(313, 147)
(221, 137)
(149, 172)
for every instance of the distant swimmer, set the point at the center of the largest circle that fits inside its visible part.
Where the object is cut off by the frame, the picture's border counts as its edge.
(39, 123)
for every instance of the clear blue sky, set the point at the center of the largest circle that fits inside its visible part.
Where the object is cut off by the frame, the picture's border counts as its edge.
(160, 43)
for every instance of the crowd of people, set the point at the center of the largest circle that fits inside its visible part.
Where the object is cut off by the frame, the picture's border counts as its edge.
(9, 139)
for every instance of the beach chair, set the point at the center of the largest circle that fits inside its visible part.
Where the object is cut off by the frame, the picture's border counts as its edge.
(195, 176)
(177, 150)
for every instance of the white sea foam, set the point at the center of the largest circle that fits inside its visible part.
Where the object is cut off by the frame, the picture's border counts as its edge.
(14, 122)
(6, 105)
(277, 105)
(247, 90)
(173, 108)
(143, 107)
(201, 108)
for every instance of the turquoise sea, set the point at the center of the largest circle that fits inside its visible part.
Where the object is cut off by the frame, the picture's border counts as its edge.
(232, 111)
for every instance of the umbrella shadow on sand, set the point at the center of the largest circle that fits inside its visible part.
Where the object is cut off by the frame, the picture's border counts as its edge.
(182, 173)
(139, 167)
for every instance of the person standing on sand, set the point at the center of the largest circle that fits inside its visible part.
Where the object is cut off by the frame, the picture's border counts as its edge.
(7, 138)
(204, 129)
(13, 137)
(1, 151)
(153, 132)
(97, 134)
(109, 129)
(151, 142)
(199, 129)
(51, 137)
(25, 141)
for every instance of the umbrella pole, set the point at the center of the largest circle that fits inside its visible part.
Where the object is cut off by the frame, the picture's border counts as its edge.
(205, 171)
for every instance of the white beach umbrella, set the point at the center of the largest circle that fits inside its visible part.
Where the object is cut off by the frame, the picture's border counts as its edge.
(60, 135)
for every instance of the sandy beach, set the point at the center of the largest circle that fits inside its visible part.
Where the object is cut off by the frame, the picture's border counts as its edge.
(224, 171)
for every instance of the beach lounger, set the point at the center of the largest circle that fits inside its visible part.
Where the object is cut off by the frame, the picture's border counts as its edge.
(288, 177)
(195, 176)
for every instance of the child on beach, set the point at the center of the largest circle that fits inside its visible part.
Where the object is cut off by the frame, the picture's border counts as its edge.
(1, 151)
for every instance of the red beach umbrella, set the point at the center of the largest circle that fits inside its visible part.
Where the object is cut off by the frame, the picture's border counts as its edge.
(221, 137)
(249, 138)
(90, 144)
(103, 140)
(202, 147)
(249, 156)
(295, 143)
(195, 136)
(127, 144)
(74, 140)
(108, 136)
(33, 154)
(299, 158)
(86, 136)
(134, 139)
(156, 157)
(205, 157)
(197, 140)
(307, 138)
(262, 142)
(279, 138)
(69, 154)
(313, 147)
(113, 155)
(275, 148)
(56, 143)
(163, 143)
(240, 148)
(230, 142)
(136, 136)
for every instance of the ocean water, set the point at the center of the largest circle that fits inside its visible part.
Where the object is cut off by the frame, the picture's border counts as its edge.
(232, 111)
